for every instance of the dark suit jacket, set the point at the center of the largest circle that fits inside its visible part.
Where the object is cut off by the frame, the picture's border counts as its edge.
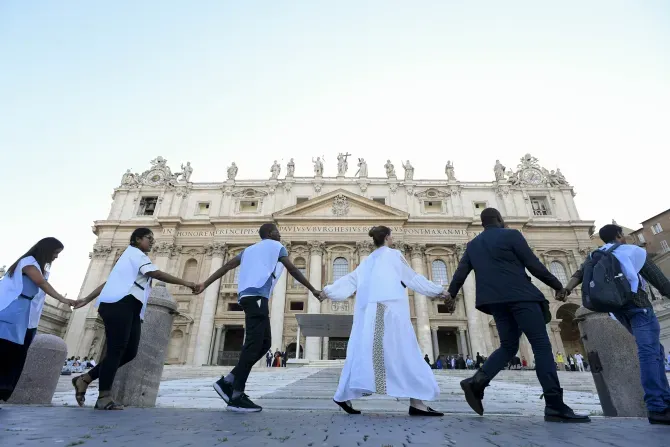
(499, 257)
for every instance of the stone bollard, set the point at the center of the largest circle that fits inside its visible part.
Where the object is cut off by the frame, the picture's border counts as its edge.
(41, 372)
(136, 383)
(612, 357)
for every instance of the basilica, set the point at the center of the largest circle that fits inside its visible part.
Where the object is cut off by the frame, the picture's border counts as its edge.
(324, 221)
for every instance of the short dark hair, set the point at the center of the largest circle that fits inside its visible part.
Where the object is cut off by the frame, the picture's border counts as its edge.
(490, 216)
(265, 230)
(139, 233)
(609, 233)
(378, 234)
(43, 252)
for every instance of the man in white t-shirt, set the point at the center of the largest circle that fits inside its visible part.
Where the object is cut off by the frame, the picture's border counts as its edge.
(580, 361)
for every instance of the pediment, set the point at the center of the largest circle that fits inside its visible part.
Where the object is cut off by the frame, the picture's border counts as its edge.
(249, 193)
(431, 193)
(341, 204)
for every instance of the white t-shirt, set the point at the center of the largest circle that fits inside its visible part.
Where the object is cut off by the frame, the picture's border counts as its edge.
(142, 281)
(579, 358)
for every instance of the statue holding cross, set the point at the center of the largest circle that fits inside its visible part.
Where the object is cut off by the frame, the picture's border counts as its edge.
(342, 164)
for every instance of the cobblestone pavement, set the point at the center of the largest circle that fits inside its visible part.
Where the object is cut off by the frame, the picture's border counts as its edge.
(68, 427)
(512, 393)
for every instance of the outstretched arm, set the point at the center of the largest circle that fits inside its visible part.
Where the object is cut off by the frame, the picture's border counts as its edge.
(166, 277)
(90, 297)
(417, 282)
(36, 276)
(343, 288)
(228, 266)
(460, 275)
(297, 274)
(530, 261)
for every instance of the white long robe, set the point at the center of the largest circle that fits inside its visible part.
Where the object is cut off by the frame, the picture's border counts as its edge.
(383, 355)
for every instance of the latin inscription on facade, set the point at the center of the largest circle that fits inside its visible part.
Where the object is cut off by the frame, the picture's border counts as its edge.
(329, 229)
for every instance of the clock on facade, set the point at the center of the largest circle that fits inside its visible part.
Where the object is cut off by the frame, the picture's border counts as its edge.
(532, 176)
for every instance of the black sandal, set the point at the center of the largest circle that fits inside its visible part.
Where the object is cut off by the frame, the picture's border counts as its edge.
(80, 396)
(346, 407)
(111, 406)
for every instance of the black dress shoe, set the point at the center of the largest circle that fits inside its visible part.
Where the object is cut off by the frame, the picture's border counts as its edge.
(557, 411)
(416, 412)
(474, 391)
(659, 418)
(346, 407)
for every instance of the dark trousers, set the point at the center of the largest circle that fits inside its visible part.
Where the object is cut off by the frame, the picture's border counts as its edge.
(123, 328)
(13, 360)
(513, 319)
(257, 338)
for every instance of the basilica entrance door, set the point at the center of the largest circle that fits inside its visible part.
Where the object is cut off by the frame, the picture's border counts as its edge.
(337, 348)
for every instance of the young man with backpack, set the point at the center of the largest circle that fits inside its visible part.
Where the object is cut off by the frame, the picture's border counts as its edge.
(627, 300)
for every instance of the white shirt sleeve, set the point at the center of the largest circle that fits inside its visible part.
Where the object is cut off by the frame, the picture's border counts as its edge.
(416, 282)
(146, 265)
(343, 288)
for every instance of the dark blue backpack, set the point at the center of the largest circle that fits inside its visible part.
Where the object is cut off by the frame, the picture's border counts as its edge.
(604, 286)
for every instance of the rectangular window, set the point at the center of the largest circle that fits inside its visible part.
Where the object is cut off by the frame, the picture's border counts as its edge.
(202, 208)
(540, 207)
(432, 206)
(664, 246)
(656, 228)
(442, 309)
(640, 237)
(297, 306)
(381, 200)
(234, 307)
(300, 200)
(479, 207)
(147, 206)
(248, 206)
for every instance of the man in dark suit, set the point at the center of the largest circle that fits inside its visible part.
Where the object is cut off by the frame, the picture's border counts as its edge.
(500, 257)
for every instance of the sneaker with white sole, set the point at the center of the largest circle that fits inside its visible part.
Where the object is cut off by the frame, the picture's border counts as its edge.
(224, 389)
(242, 404)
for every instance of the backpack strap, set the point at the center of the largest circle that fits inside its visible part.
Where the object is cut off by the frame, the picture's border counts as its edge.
(613, 247)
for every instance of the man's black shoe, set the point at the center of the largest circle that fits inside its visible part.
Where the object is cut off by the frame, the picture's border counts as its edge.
(659, 418)
(242, 404)
(556, 410)
(474, 391)
(224, 389)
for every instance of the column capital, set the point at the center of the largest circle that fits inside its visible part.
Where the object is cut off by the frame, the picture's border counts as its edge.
(417, 251)
(434, 327)
(459, 249)
(100, 251)
(316, 247)
(216, 249)
(364, 248)
(163, 248)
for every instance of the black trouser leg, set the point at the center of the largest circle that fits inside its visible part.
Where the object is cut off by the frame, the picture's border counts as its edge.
(509, 334)
(122, 331)
(258, 338)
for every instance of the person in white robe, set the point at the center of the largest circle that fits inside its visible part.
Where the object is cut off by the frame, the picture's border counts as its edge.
(383, 355)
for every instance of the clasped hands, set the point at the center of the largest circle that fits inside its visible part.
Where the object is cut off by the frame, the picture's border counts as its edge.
(562, 295)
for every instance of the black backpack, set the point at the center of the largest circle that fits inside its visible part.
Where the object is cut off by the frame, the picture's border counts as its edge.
(604, 286)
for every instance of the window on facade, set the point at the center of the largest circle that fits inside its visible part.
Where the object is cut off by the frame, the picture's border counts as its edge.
(540, 207)
(236, 276)
(559, 272)
(340, 268)
(442, 309)
(203, 208)
(479, 207)
(656, 228)
(234, 307)
(191, 270)
(439, 269)
(640, 237)
(147, 206)
(433, 206)
(300, 265)
(248, 206)
(664, 247)
(300, 200)
(381, 200)
(297, 306)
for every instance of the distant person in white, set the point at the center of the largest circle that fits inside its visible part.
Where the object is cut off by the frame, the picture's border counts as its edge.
(580, 361)
(22, 293)
(383, 355)
(122, 300)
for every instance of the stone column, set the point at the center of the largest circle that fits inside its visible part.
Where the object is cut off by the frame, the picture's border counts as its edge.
(313, 344)
(555, 338)
(206, 327)
(77, 324)
(464, 342)
(436, 344)
(217, 340)
(474, 324)
(297, 342)
(277, 306)
(421, 305)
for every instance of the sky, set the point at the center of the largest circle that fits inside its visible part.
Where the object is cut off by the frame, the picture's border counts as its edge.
(90, 89)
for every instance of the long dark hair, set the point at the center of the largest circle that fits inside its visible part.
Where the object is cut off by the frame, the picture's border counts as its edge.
(139, 233)
(43, 252)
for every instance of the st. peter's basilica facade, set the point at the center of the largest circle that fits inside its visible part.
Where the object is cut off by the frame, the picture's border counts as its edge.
(324, 223)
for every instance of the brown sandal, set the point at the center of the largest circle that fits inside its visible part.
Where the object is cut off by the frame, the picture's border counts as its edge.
(80, 391)
(110, 405)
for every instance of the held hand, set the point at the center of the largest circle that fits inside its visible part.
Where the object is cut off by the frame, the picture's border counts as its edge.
(562, 295)
(78, 304)
(198, 288)
(317, 294)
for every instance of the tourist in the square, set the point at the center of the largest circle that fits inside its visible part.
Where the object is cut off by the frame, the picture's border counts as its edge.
(500, 257)
(382, 332)
(268, 359)
(579, 359)
(638, 317)
(560, 361)
(261, 266)
(122, 301)
(23, 291)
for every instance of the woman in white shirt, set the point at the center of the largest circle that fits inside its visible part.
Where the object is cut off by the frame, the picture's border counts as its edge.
(122, 300)
(22, 296)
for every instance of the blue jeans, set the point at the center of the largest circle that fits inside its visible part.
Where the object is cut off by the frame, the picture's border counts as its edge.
(643, 324)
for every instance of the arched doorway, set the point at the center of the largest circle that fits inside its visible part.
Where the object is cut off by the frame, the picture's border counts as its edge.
(572, 341)
(290, 351)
